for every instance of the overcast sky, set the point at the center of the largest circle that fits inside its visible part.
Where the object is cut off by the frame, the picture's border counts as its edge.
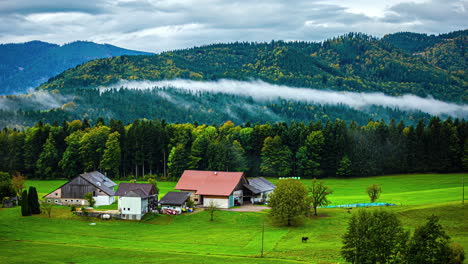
(158, 25)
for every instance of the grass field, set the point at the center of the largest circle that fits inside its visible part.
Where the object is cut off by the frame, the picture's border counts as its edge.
(233, 237)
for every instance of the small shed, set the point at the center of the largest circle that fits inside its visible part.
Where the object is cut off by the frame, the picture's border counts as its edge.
(259, 189)
(175, 201)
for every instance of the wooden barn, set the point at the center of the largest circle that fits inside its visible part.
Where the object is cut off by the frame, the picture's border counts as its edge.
(73, 191)
(136, 199)
(224, 189)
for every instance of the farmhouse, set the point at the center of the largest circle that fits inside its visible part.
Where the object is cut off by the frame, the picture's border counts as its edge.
(73, 191)
(175, 201)
(259, 189)
(136, 199)
(224, 189)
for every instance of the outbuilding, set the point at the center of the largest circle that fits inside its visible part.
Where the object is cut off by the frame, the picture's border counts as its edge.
(259, 189)
(175, 201)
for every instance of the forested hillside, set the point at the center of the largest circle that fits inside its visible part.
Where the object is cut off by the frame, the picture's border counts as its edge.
(302, 149)
(29, 64)
(181, 106)
(353, 62)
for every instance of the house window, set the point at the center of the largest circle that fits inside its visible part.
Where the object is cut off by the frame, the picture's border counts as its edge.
(128, 209)
(48, 200)
(56, 201)
(66, 200)
(124, 209)
(56, 194)
(77, 201)
(196, 200)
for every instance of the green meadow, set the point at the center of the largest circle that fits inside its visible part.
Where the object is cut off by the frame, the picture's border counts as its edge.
(233, 237)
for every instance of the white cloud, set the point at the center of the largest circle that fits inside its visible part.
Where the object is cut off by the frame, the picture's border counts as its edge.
(262, 91)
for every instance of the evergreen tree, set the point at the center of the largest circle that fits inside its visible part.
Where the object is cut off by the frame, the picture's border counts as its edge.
(344, 167)
(276, 158)
(112, 155)
(47, 164)
(25, 210)
(178, 161)
(33, 201)
(309, 156)
(71, 162)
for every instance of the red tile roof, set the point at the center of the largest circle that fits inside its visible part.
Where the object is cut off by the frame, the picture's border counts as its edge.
(209, 182)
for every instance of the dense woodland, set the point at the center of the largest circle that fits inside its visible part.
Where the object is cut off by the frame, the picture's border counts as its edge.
(183, 107)
(308, 150)
(352, 62)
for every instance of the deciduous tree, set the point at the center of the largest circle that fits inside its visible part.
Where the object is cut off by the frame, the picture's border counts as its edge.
(374, 237)
(289, 203)
(318, 194)
(374, 192)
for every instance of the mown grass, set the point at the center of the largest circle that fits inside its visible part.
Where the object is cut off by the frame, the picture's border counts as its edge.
(232, 238)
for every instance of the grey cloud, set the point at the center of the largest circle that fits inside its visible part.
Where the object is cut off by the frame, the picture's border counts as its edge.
(158, 25)
(49, 6)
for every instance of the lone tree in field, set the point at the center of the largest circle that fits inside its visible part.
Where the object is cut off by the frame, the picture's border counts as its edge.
(212, 209)
(374, 192)
(89, 197)
(33, 201)
(25, 210)
(429, 244)
(374, 237)
(289, 203)
(319, 193)
(46, 208)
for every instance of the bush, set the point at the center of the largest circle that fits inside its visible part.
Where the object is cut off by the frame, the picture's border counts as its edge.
(25, 210)
(73, 208)
(457, 255)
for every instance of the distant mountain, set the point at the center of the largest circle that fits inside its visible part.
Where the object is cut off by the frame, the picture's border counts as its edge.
(352, 62)
(29, 64)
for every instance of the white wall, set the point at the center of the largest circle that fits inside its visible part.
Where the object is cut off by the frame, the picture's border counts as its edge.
(220, 203)
(103, 200)
(134, 203)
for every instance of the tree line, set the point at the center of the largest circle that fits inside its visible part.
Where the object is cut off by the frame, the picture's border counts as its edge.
(313, 149)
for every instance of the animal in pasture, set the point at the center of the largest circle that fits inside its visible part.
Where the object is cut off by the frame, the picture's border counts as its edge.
(304, 239)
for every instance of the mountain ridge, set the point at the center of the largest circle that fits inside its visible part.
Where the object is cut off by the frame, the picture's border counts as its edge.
(352, 62)
(27, 65)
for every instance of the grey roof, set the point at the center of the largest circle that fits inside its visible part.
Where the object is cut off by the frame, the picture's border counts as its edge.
(125, 188)
(136, 193)
(261, 184)
(251, 188)
(175, 198)
(100, 181)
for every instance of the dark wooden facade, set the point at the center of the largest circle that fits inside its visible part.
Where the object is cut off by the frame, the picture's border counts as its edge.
(77, 188)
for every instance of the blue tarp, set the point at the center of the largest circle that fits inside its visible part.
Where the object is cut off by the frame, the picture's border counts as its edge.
(358, 205)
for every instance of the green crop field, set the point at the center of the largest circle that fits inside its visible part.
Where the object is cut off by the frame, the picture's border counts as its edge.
(233, 237)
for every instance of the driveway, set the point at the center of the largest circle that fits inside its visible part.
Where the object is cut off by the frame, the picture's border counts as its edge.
(248, 208)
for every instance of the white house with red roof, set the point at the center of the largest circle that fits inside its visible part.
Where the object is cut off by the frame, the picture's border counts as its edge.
(224, 189)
